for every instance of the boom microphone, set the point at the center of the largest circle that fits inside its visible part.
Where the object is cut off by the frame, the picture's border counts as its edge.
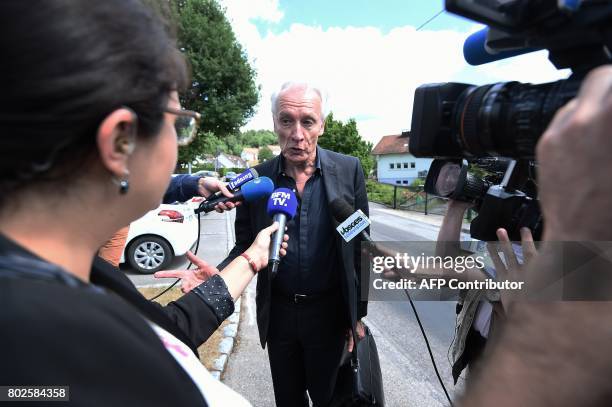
(352, 223)
(281, 207)
(251, 191)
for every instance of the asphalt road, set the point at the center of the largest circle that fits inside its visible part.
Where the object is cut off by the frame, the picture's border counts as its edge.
(408, 374)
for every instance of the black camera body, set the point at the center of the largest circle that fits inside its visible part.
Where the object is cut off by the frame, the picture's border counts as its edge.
(454, 121)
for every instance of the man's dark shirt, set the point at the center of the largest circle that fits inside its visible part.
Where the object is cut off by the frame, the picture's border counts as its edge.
(311, 263)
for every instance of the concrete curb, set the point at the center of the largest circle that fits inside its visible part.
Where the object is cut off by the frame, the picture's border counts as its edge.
(230, 331)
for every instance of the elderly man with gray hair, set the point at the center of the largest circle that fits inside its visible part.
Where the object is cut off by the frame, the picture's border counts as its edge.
(306, 313)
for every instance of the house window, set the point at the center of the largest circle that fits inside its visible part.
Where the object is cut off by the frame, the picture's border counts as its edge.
(391, 165)
(405, 165)
(398, 166)
(398, 182)
(404, 181)
(412, 165)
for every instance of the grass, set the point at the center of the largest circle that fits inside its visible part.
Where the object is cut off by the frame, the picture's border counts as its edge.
(208, 351)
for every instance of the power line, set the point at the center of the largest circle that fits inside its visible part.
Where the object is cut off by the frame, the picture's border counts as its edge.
(430, 20)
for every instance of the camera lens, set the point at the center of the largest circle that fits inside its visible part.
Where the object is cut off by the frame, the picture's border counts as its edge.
(508, 118)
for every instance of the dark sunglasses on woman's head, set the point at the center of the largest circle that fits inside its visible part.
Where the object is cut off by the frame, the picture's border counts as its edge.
(186, 125)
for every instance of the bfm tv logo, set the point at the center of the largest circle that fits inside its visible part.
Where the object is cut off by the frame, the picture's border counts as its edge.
(353, 225)
(280, 198)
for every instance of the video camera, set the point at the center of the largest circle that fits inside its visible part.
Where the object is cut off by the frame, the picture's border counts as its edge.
(456, 121)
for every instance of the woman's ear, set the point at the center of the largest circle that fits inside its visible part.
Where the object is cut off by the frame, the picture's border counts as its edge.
(116, 140)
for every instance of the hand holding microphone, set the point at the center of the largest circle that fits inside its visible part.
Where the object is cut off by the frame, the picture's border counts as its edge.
(251, 191)
(282, 206)
(234, 185)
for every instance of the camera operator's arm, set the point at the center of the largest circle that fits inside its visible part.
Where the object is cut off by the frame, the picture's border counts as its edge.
(450, 230)
(557, 353)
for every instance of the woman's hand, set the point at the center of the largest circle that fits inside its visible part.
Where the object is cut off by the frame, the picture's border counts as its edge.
(190, 278)
(260, 248)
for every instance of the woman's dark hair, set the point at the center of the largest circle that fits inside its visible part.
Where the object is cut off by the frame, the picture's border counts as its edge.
(67, 64)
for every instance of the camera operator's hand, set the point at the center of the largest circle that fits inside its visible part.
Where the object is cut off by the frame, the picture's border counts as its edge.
(575, 164)
(514, 271)
(209, 185)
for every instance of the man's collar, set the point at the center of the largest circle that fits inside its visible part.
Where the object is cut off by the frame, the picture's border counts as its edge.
(280, 169)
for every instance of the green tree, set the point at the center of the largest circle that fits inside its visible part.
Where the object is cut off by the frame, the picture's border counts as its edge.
(259, 138)
(265, 154)
(223, 82)
(344, 138)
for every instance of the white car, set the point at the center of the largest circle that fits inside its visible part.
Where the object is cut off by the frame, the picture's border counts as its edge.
(163, 233)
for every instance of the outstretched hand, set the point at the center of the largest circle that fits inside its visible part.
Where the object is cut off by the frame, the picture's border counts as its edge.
(190, 278)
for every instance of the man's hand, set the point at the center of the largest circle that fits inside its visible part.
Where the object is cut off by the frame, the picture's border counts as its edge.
(515, 270)
(209, 185)
(190, 278)
(360, 335)
(574, 156)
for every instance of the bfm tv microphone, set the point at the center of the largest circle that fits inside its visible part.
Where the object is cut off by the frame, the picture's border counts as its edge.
(352, 223)
(251, 191)
(282, 206)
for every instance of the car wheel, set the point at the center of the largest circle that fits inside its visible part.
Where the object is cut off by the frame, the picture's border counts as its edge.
(149, 254)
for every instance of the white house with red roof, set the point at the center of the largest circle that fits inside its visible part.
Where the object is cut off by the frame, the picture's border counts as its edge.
(394, 163)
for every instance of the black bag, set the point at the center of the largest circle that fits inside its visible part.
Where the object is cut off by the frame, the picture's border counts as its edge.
(359, 381)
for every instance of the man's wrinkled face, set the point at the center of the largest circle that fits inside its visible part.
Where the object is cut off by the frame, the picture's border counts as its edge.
(298, 123)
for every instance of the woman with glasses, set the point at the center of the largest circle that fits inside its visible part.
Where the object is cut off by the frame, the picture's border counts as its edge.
(182, 187)
(90, 121)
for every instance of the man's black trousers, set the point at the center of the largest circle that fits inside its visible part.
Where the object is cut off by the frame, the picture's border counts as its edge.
(305, 344)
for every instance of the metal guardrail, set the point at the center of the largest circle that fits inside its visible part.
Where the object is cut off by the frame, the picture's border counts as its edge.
(410, 198)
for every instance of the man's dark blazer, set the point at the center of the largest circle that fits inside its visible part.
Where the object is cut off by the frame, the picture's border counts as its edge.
(342, 178)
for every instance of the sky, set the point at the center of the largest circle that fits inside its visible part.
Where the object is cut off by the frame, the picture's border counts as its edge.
(366, 55)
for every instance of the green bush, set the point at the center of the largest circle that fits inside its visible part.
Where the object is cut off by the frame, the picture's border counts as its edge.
(381, 193)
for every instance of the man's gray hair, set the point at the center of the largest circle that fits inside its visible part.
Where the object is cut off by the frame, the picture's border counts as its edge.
(322, 95)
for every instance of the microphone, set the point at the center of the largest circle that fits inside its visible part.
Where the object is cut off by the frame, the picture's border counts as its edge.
(237, 182)
(242, 179)
(476, 51)
(282, 206)
(352, 223)
(251, 191)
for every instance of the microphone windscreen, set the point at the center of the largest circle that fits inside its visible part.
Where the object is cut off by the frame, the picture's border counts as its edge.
(475, 51)
(283, 201)
(341, 209)
(258, 188)
(242, 179)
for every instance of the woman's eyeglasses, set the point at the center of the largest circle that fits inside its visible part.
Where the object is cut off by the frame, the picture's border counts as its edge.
(186, 125)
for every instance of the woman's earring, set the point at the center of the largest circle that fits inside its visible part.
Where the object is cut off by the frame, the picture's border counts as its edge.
(124, 184)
